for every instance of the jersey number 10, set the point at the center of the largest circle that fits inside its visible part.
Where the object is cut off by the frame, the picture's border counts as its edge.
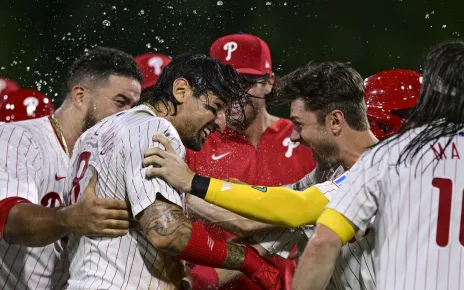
(445, 185)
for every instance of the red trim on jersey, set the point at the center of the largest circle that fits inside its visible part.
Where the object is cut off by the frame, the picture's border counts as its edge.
(56, 135)
(204, 278)
(204, 249)
(5, 207)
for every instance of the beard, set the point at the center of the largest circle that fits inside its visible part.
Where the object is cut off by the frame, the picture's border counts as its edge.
(89, 120)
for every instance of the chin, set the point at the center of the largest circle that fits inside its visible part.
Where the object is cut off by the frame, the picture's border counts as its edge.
(195, 146)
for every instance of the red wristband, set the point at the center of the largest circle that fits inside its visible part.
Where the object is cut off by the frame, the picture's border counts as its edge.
(204, 278)
(5, 206)
(203, 249)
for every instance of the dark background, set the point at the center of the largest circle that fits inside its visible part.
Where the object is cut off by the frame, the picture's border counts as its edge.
(40, 39)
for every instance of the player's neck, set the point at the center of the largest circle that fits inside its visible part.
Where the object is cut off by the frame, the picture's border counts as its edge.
(255, 130)
(355, 145)
(70, 125)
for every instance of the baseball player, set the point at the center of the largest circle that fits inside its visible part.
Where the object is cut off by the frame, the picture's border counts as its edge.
(355, 267)
(409, 183)
(187, 104)
(254, 148)
(33, 165)
(151, 64)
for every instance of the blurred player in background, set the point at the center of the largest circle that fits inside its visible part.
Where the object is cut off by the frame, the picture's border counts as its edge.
(23, 105)
(188, 102)
(151, 64)
(33, 165)
(254, 148)
(410, 183)
(7, 86)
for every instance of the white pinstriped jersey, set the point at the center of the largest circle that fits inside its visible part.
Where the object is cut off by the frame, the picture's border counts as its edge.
(418, 209)
(354, 269)
(114, 148)
(33, 165)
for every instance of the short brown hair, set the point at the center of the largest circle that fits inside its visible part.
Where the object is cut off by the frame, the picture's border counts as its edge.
(326, 87)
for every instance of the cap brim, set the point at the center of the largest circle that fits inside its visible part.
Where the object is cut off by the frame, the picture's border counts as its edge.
(251, 71)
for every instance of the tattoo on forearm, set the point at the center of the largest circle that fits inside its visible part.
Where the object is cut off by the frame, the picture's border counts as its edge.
(235, 256)
(166, 221)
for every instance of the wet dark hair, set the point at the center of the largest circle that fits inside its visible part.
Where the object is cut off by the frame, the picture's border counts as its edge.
(204, 75)
(440, 107)
(98, 64)
(326, 87)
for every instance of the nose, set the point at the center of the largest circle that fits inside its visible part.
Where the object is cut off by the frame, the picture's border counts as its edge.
(295, 137)
(220, 121)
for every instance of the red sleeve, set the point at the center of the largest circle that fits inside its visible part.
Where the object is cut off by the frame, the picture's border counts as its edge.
(6, 205)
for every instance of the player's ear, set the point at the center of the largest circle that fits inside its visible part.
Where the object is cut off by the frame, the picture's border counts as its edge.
(79, 96)
(181, 90)
(336, 120)
(269, 84)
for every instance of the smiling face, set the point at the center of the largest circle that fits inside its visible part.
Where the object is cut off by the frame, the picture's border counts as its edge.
(309, 131)
(111, 96)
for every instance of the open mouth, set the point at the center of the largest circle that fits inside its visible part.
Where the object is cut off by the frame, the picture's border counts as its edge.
(206, 132)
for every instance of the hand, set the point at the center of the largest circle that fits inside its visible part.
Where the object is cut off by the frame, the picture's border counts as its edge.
(92, 216)
(168, 165)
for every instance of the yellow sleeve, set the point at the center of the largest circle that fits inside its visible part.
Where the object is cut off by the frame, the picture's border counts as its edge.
(274, 205)
(337, 223)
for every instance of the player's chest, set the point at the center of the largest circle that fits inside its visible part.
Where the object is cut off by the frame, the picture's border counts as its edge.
(53, 182)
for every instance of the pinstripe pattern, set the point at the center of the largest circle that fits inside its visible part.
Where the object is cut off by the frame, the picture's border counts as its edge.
(30, 157)
(117, 145)
(405, 205)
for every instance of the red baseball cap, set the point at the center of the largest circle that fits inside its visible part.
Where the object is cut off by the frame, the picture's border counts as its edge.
(152, 65)
(24, 105)
(248, 54)
(7, 86)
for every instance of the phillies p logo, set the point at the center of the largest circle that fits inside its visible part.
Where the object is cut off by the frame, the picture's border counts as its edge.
(230, 47)
(156, 63)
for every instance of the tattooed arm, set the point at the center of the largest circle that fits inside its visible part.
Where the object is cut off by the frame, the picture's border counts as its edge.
(169, 230)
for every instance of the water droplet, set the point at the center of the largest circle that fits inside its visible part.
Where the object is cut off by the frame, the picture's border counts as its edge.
(180, 23)
(285, 3)
(142, 12)
(113, 7)
(148, 45)
(194, 12)
(106, 23)
(443, 26)
(219, 3)
(268, 3)
(427, 16)
(28, 68)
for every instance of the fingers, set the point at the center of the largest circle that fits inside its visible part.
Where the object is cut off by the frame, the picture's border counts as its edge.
(156, 151)
(154, 172)
(112, 214)
(108, 203)
(90, 188)
(116, 224)
(165, 142)
(154, 160)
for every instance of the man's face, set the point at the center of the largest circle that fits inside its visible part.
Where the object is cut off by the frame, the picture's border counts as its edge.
(241, 119)
(112, 96)
(309, 132)
(200, 118)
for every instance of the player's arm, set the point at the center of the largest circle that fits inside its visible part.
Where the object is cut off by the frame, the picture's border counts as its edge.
(169, 230)
(318, 260)
(224, 219)
(275, 205)
(23, 221)
(350, 210)
(27, 224)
